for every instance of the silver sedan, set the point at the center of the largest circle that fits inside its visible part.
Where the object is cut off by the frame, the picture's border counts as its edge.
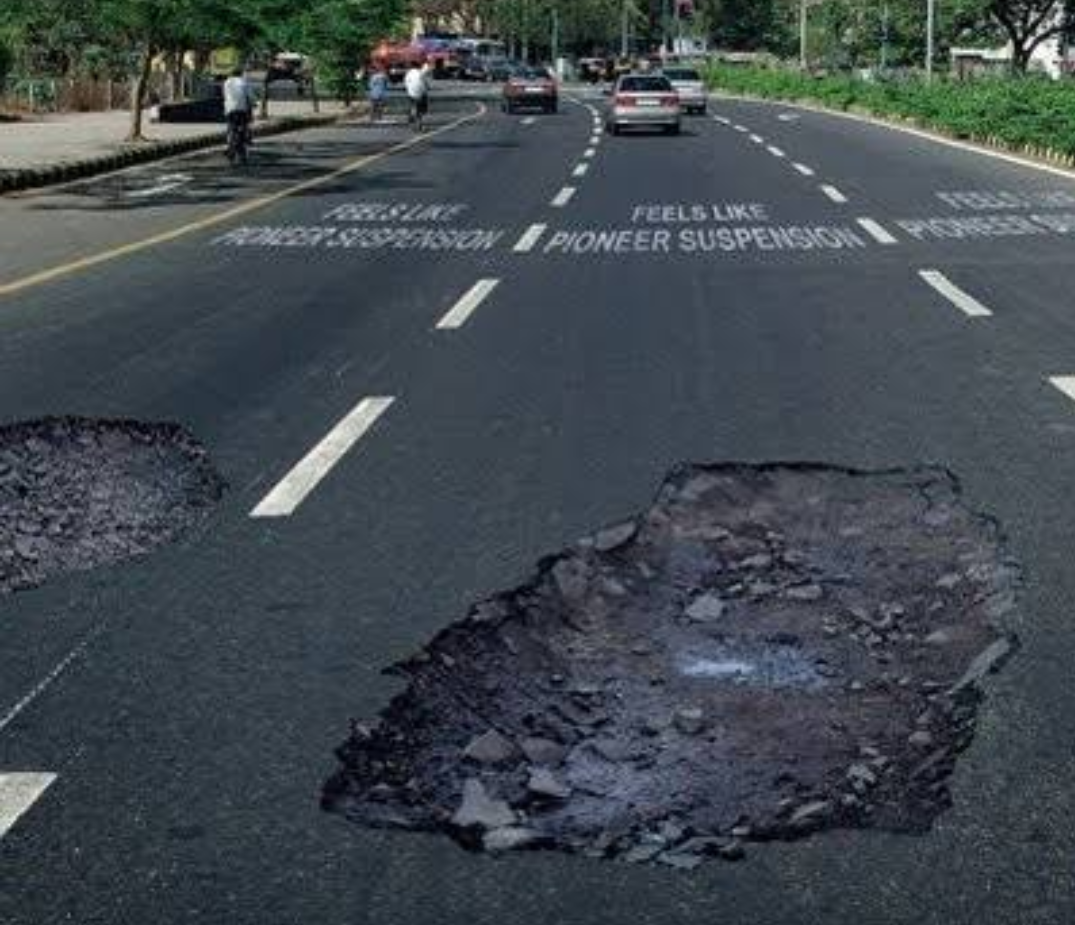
(643, 101)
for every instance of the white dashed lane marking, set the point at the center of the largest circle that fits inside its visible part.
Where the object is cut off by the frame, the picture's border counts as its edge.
(804, 170)
(966, 303)
(581, 170)
(775, 152)
(834, 194)
(530, 238)
(757, 139)
(590, 152)
(563, 197)
(18, 792)
(467, 305)
(1065, 384)
(742, 129)
(286, 497)
(876, 231)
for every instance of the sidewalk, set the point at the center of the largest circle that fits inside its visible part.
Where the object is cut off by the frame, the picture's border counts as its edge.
(52, 148)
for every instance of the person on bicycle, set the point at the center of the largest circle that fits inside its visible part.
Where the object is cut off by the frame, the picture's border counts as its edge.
(416, 83)
(378, 90)
(239, 105)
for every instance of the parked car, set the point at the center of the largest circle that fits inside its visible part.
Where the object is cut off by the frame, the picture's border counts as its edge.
(531, 88)
(643, 101)
(688, 83)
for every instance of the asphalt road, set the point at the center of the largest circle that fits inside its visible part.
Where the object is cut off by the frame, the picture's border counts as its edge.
(705, 297)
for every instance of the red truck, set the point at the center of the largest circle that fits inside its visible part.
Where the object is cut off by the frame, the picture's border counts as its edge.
(396, 58)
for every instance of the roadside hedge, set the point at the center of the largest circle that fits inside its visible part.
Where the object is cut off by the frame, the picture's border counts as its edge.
(1021, 113)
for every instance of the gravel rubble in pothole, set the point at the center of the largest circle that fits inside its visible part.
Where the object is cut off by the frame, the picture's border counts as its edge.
(76, 494)
(767, 652)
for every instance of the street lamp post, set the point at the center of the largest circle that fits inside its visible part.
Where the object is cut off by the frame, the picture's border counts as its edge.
(555, 43)
(802, 34)
(884, 38)
(624, 29)
(931, 25)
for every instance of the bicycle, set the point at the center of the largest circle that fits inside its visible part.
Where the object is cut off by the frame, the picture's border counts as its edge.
(418, 111)
(238, 138)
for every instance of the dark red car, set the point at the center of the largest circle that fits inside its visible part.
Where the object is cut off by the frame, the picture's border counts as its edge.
(531, 88)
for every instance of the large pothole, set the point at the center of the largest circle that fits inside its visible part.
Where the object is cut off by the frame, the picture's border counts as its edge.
(76, 494)
(765, 653)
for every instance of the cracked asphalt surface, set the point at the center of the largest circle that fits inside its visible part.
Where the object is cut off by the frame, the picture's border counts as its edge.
(196, 695)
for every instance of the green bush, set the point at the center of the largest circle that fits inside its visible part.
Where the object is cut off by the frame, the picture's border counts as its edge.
(1019, 112)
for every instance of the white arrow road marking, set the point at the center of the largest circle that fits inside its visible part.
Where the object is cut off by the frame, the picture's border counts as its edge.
(529, 240)
(876, 231)
(467, 305)
(286, 497)
(164, 184)
(967, 304)
(18, 792)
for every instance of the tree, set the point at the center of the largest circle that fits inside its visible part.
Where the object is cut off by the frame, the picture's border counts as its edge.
(1030, 23)
(744, 25)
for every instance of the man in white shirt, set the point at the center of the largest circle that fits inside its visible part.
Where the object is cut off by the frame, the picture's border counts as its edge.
(416, 83)
(238, 100)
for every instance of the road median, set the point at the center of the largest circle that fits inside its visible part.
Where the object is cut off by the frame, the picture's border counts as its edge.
(130, 155)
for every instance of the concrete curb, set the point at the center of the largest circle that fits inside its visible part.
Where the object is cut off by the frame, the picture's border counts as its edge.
(1045, 159)
(12, 181)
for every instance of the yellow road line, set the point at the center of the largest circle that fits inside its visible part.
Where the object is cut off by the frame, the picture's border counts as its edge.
(210, 221)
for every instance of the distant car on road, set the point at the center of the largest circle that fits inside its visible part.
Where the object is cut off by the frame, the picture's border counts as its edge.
(688, 83)
(487, 69)
(531, 88)
(643, 101)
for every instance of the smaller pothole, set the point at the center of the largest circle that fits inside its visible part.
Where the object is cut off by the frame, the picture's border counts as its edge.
(764, 653)
(76, 494)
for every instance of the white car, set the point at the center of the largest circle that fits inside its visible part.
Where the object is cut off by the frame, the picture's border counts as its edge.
(688, 83)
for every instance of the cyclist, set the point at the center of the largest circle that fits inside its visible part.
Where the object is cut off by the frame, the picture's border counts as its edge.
(239, 111)
(378, 90)
(416, 83)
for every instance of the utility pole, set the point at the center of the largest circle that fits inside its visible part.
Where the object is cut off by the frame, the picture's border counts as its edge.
(625, 29)
(931, 25)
